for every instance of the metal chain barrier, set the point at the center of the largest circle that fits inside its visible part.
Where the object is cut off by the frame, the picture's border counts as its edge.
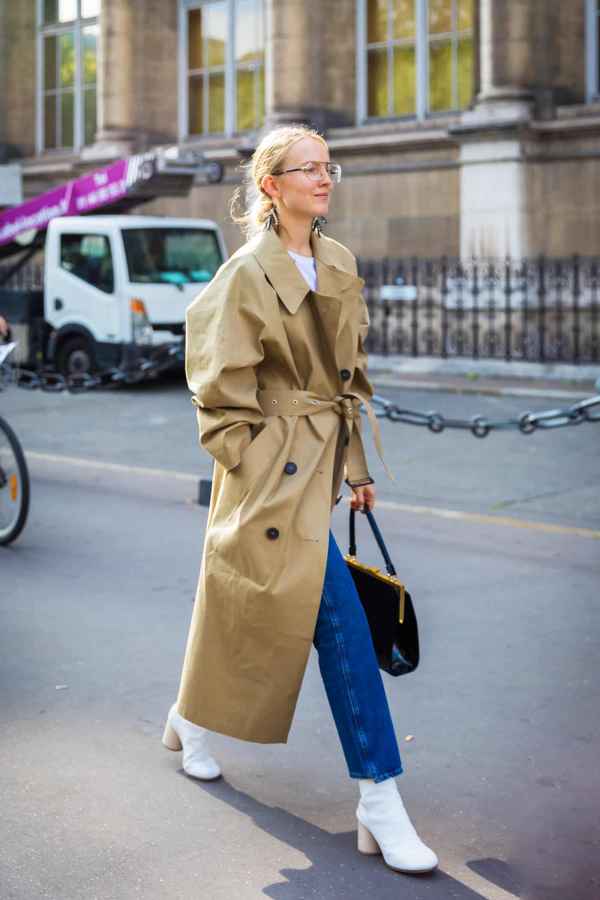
(54, 382)
(480, 426)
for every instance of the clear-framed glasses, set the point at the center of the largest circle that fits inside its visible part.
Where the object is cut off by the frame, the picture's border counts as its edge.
(313, 170)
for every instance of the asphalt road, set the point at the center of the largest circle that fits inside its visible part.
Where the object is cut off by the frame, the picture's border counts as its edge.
(551, 476)
(502, 775)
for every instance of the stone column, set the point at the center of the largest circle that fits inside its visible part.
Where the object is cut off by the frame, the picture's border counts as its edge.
(506, 61)
(288, 80)
(3, 81)
(494, 214)
(116, 87)
(309, 62)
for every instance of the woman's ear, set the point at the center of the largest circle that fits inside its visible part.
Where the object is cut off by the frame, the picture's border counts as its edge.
(269, 186)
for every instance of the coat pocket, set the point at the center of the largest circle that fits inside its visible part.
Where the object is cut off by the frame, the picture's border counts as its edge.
(238, 482)
(257, 455)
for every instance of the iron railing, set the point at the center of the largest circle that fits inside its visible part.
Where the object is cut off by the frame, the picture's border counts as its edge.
(29, 277)
(537, 310)
(542, 310)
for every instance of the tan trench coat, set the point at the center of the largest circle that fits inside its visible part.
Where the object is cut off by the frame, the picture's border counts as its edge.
(272, 367)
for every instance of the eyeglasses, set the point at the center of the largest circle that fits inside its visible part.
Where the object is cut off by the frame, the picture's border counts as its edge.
(313, 170)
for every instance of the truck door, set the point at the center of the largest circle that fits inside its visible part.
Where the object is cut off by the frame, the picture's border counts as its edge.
(80, 285)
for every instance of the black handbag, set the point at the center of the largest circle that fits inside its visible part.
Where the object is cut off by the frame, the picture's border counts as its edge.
(388, 607)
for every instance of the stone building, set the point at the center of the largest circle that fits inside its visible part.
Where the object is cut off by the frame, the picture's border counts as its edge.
(463, 126)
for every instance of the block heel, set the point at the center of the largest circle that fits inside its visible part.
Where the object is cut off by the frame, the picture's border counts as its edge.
(388, 830)
(170, 738)
(366, 841)
(180, 734)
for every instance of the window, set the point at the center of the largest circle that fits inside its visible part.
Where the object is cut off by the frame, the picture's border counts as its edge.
(221, 66)
(67, 55)
(249, 65)
(415, 57)
(592, 52)
(88, 256)
(171, 255)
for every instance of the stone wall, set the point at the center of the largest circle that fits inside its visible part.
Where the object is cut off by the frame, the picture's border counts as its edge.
(535, 45)
(311, 61)
(203, 202)
(18, 71)
(563, 198)
(397, 213)
(408, 188)
(155, 71)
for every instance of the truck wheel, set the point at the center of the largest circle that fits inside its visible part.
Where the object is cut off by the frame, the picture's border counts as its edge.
(75, 357)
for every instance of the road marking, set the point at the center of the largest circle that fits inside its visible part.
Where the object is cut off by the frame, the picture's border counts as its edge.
(507, 521)
(111, 467)
(440, 512)
(479, 883)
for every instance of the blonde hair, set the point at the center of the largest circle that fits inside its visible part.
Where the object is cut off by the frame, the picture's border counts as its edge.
(267, 158)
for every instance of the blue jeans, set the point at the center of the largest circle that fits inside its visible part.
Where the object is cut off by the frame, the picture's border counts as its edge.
(351, 676)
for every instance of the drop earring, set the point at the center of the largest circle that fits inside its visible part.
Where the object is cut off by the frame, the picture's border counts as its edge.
(273, 219)
(317, 224)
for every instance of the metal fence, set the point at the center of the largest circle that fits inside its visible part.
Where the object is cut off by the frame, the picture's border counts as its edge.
(538, 310)
(542, 310)
(28, 278)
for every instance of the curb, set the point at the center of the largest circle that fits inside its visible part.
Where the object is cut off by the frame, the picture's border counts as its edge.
(399, 383)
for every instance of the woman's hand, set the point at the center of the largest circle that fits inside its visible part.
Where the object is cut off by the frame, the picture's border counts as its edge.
(363, 497)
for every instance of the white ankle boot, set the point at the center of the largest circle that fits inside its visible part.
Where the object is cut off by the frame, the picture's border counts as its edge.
(197, 761)
(384, 827)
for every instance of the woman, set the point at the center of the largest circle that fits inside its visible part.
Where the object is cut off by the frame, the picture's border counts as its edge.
(276, 363)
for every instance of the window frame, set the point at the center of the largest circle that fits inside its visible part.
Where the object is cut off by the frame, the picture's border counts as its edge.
(75, 27)
(230, 71)
(163, 232)
(81, 235)
(422, 42)
(592, 51)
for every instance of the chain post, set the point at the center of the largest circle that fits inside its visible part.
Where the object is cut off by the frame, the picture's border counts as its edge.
(542, 306)
(576, 309)
(508, 292)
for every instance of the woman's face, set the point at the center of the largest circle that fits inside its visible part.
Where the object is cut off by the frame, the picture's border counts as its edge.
(296, 193)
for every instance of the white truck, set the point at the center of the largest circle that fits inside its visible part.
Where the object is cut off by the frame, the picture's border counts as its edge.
(115, 286)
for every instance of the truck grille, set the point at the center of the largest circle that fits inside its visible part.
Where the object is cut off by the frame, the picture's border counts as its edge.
(173, 327)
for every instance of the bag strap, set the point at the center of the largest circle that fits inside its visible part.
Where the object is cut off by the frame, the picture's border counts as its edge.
(378, 537)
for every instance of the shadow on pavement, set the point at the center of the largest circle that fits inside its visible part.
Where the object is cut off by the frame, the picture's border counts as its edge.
(337, 869)
(497, 872)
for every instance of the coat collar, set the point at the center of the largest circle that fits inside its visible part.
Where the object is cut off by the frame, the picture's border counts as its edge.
(283, 273)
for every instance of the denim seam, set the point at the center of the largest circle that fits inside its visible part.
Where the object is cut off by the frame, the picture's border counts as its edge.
(380, 775)
(350, 693)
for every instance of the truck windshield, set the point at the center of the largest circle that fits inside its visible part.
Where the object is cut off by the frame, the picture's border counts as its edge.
(171, 255)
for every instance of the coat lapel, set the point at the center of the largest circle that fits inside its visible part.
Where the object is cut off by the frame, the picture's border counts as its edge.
(281, 270)
(332, 283)
(336, 301)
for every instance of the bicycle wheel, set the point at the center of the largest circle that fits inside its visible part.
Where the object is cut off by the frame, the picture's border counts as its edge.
(14, 485)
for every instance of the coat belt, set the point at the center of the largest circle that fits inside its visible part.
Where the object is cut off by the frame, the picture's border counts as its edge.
(307, 403)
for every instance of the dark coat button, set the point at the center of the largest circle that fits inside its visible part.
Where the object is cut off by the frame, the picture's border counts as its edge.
(346, 374)
(272, 533)
(290, 468)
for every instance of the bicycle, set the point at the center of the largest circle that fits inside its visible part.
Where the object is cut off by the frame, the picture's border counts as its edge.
(14, 475)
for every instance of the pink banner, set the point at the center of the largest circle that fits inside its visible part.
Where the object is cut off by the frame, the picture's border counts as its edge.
(82, 195)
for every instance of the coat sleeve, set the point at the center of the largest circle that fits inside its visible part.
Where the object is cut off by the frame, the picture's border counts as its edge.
(357, 470)
(222, 349)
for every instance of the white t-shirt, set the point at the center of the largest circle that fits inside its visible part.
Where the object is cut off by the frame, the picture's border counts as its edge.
(308, 268)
